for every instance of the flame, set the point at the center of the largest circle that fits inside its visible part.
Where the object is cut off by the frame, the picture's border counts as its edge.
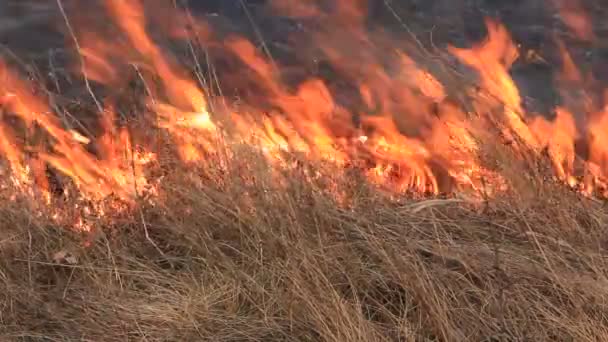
(492, 60)
(576, 18)
(399, 122)
(558, 137)
(129, 16)
(65, 153)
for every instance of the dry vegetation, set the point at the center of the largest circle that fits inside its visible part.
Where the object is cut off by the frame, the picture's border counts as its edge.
(236, 255)
(238, 258)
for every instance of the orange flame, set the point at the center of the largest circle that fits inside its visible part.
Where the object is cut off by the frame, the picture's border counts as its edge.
(400, 124)
(576, 18)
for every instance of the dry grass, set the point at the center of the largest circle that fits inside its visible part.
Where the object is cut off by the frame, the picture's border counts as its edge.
(237, 257)
(245, 260)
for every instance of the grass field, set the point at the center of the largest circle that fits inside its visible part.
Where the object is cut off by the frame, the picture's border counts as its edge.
(222, 240)
(241, 259)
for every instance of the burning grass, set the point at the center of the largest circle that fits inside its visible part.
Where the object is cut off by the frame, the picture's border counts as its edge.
(384, 198)
(238, 258)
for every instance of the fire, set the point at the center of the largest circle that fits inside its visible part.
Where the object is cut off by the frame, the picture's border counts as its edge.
(558, 136)
(576, 18)
(399, 122)
(492, 59)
